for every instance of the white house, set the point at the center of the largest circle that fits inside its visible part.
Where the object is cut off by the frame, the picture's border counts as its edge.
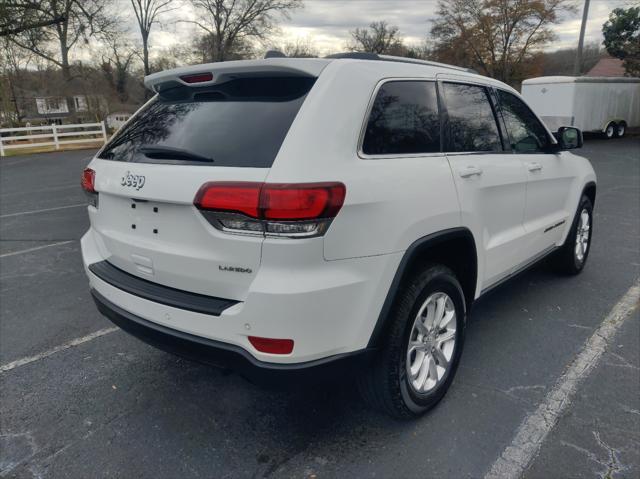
(117, 119)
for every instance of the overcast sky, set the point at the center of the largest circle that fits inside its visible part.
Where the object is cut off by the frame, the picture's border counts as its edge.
(326, 23)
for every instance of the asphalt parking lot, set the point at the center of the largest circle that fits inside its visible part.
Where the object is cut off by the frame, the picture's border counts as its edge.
(79, 398)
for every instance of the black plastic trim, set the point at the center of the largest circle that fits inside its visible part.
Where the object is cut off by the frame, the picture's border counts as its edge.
(415, 248)
(591, 184)
(222, 354)
(520, 270)
(176, 298)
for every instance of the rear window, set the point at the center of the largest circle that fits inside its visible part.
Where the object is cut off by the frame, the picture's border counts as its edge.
(240, 123)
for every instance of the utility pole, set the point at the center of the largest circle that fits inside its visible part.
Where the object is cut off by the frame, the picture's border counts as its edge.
(577, 66)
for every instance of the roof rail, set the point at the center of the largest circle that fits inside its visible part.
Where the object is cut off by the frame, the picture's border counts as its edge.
(389, 58)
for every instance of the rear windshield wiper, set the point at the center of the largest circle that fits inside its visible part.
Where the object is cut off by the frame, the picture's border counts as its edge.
(169, 153)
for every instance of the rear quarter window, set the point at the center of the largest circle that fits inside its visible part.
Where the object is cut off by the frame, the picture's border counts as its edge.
(404, 120)
(239, 123)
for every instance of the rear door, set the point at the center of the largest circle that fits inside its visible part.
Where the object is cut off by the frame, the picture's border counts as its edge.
(490, 181)
(549, 177)
(148, 175)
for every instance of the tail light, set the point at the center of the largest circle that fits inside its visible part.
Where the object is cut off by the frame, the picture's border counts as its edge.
(88, 183)
(272, 209)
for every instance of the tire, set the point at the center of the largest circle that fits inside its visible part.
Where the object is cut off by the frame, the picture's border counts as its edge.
(386, 385)
(571, 259)
(621, 129)
(610, 131)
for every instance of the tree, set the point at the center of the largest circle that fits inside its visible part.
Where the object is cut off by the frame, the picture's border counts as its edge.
(230, 23)
(300, 48)
(175, 56)
(69, 22)
(116, 62)
(207, 47)
(379, 37)
(147, 14)
(496, 37)
(17, 16)
(622, 38)
(13, 61)
(560, 62)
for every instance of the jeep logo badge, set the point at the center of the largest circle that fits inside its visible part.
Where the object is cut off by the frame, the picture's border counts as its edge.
(134, 181)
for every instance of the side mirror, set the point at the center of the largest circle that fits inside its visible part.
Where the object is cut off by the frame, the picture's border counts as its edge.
(569, 138)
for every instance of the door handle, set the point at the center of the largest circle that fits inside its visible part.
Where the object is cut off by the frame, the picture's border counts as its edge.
(470, 171)
(534, 166)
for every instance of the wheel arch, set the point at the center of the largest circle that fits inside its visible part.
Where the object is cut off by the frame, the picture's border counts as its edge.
(610, 121)
(589, 191)
(454, 248)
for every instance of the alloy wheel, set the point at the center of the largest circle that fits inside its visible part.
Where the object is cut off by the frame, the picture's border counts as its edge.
(431, 343)
(582, 235)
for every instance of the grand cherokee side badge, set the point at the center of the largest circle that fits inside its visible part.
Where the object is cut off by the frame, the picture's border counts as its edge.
(134, 181)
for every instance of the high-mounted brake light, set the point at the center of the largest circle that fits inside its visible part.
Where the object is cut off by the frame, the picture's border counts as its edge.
(277, 209)
(272, 346)
(197, 78)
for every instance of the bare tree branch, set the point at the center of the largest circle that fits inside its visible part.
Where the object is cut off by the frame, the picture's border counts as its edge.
(231, 23)
(148, 13)
(379, 37)
(5, 30)
(499, 37)
(62, 22)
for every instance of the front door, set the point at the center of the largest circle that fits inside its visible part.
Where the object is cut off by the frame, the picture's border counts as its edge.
(549, 177)
(490, 181)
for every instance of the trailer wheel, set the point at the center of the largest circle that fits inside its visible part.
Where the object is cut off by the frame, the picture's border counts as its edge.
(621, 129)
(610, 130)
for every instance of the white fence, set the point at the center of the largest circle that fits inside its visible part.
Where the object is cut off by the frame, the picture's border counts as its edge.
(55, 135)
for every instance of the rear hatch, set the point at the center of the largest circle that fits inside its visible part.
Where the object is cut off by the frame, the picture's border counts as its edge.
(148, 175)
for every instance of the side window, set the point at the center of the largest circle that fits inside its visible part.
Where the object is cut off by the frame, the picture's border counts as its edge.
(526, 132)
(472, 124)
(404, 120)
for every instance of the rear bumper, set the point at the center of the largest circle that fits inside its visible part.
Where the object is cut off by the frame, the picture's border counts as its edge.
(158, 293)
(229, 356)
(328, 308)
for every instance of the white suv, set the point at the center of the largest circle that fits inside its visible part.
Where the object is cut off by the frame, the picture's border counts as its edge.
(285, 216)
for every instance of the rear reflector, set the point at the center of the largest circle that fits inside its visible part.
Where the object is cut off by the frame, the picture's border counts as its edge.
(273, 201)
(272, 346)
(197, 78)
(88, 180)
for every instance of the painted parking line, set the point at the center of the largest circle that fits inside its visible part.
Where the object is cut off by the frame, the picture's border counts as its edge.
(74, 342)
(36, 248)
(529, 437)
(33, 212)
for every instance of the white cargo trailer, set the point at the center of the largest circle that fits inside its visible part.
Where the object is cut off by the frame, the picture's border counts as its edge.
(593, 104)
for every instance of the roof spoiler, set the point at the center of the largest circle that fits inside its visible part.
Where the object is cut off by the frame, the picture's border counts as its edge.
(213, 73)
